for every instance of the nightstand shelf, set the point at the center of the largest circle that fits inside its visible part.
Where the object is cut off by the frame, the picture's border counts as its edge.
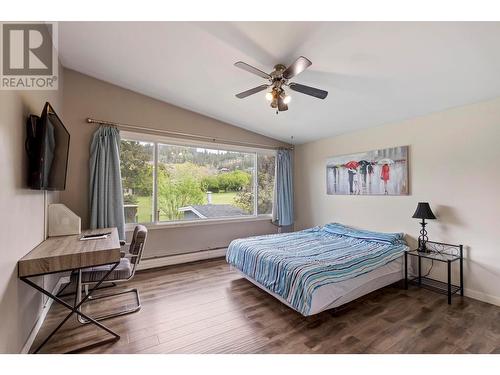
(434, 285)
(440, 252)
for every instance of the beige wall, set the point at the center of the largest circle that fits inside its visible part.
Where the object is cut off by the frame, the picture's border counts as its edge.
(22, 216)
(453, 164)
(88, 97)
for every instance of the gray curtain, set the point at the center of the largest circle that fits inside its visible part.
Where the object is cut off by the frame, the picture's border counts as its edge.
(283, 196)
(106, 200)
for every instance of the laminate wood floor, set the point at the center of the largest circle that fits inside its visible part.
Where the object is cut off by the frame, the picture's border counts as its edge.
(205, 307)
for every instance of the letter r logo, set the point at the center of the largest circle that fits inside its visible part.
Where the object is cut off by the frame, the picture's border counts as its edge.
(27, 49)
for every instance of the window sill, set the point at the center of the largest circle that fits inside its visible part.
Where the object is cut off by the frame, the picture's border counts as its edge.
(195, 223)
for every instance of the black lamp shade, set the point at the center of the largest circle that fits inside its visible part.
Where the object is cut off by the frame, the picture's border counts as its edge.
(423, 211)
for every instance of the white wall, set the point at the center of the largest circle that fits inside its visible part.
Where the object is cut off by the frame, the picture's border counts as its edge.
(454, 165)
(21, 216)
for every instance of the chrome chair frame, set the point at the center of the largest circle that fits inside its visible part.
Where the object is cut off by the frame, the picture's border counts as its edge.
(78, 296)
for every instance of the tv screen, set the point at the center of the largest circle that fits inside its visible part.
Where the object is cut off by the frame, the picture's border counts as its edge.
(47, 145)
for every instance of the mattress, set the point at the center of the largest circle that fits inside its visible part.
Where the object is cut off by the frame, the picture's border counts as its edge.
(337, 294)
(321, 267)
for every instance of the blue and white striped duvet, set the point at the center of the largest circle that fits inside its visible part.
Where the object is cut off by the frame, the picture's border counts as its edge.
(294, 265)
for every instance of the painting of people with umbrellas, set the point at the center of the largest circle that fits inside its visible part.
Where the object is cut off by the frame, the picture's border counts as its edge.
(379, 172)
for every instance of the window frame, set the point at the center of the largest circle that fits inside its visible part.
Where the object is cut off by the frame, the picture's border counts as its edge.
(169, 141)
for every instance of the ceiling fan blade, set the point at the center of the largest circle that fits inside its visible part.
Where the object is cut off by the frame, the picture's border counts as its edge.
(255, 90)
(308, 90)
(297, 67)
(281, 104)
(251, 69)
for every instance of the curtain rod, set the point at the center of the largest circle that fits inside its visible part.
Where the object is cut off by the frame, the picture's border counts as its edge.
(185, 135)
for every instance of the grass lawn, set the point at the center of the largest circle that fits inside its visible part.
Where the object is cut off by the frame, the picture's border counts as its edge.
(223, 198)
(144, 210)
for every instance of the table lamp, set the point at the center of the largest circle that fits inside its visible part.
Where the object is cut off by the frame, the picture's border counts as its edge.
(423, 212)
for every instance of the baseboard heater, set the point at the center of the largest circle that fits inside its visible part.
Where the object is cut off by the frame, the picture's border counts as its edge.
(168, 260)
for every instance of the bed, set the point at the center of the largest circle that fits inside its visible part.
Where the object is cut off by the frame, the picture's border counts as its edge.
(319, 268)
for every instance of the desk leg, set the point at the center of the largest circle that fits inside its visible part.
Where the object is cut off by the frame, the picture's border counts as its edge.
(74, 310)
(449, 283)
(406, 270)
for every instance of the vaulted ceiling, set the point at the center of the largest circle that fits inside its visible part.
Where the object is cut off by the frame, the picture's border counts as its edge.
(375, 72)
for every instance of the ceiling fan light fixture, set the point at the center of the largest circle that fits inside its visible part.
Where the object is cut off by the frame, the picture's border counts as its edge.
(278, 80)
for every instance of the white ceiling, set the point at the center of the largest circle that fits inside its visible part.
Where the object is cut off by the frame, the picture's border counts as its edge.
(375, 72)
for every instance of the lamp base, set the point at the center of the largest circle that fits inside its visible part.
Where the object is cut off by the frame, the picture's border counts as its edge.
(422, 248)
(422, 239)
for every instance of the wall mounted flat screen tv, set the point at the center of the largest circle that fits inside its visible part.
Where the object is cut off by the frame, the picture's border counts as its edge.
(47, 145)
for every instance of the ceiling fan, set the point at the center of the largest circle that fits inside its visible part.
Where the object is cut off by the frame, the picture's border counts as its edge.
(278, 80)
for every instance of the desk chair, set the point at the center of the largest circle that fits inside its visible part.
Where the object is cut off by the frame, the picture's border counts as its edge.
(122, 273)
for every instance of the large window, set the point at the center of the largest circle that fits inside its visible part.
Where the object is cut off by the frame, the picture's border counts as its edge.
(164, 182)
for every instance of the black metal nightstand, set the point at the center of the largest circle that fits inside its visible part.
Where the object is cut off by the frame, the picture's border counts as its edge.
(440, 252)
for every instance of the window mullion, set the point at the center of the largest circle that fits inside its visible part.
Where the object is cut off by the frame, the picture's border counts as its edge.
(156, 216)
(255, 186)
